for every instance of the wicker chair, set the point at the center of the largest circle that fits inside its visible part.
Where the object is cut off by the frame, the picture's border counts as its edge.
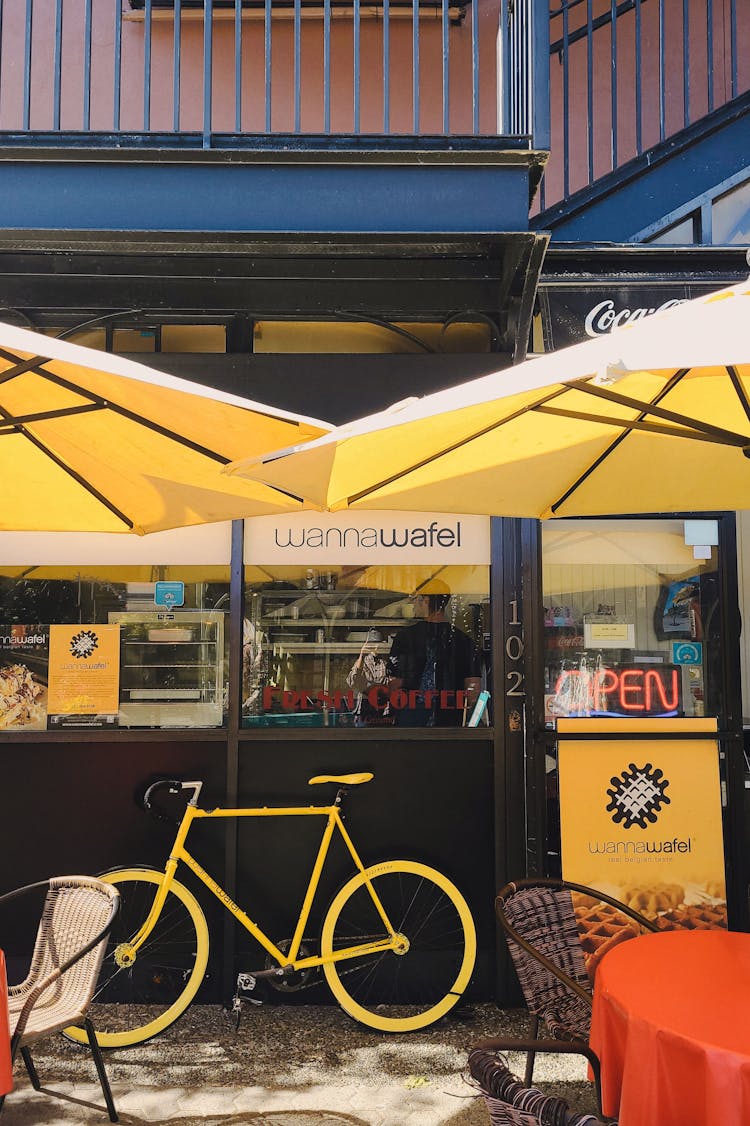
(77, 916)
(512, 1103)
(556, 943)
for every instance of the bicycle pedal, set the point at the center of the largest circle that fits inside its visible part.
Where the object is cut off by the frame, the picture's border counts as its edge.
(246, 983)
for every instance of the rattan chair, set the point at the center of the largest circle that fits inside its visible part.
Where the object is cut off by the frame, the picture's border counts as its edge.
(512, 1103)
(556, 943)
(77, 916)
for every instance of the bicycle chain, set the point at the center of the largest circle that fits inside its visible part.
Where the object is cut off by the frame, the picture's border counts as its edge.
(342, 973)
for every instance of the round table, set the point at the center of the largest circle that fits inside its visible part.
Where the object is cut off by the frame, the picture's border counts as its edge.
(671, 1028)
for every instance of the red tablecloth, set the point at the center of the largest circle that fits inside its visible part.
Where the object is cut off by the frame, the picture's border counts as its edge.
(671, 1027)
(6, 1070)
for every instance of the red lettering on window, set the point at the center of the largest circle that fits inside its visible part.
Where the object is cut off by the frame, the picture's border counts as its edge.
(269, 691)
(378, 696)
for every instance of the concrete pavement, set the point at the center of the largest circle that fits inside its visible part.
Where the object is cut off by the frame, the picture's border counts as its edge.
(287, 1065)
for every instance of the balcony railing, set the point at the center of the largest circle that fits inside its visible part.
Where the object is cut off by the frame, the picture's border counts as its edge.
(626, 75)
(207, 73)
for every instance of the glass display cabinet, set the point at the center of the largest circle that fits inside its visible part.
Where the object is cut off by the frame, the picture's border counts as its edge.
(171, 669)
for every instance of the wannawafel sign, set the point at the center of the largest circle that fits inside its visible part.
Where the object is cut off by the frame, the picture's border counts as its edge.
(368, 538)
(640, 817)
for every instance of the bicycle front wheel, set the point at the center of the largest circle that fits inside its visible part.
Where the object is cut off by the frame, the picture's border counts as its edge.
(137, 1001)
(412, 988)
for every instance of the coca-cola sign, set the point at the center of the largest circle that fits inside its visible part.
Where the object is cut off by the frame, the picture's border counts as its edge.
(605, 315)
(574, 313)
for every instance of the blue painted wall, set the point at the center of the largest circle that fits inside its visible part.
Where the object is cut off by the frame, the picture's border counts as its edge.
(666, 178)
(307, 197)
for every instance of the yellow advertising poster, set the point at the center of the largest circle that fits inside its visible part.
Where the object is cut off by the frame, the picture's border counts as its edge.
(84, 670)
(641, 819)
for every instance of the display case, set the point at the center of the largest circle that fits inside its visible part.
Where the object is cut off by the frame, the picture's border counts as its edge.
(171, 668)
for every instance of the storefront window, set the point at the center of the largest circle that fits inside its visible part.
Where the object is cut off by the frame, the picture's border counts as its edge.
(156, 665)
(631, 618)
(360, 646)
(366, 619)
(631, 628)
(103, 644)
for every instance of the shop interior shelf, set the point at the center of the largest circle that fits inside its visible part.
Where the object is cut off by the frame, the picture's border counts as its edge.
(328, 647)
(296, 623)
(169, 665)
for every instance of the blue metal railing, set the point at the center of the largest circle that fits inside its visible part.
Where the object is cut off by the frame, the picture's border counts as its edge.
(208, 69)
(626, 75)
(525, 79)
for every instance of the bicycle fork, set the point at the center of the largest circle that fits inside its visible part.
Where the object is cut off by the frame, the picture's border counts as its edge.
(125, 952)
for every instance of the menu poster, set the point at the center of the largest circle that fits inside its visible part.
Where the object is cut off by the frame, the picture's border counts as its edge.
(84, 675)
(641, 820)
(24, 659)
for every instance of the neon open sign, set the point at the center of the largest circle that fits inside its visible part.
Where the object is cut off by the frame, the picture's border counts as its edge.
(654, 690)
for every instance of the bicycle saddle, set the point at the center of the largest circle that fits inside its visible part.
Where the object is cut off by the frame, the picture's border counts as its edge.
(341, 779)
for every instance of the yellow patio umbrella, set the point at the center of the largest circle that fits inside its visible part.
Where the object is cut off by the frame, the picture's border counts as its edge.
(417, 578)
(93, 442)
(115, 573)
(654, 417)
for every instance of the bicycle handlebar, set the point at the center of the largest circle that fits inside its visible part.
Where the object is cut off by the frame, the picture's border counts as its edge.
(173, 786)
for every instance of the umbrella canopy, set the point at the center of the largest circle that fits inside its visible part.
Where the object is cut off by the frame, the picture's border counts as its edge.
(92, 442)
(654, 417)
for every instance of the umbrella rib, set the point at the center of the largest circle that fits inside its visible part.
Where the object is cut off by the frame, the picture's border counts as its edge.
(86, 485)
(730, 437)
(37, 366)
(138, 418)
(739, 388)
(77, 477)
(649, 427)
(11, 422)
(456, 446)
(20, 366)
(672, 382)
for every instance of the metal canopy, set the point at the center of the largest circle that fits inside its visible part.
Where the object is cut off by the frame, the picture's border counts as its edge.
(56, 279)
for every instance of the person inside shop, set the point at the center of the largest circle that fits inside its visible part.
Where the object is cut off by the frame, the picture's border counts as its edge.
(368, 677)
(252, 659)
(435, 664)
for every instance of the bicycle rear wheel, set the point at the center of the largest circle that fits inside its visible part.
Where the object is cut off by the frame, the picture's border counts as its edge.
(400, 992)
(138, 1001)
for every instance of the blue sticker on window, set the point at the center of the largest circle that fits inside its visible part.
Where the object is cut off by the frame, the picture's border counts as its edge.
(169, 594)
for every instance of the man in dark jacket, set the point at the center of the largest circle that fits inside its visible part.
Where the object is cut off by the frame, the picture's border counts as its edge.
(433, 668)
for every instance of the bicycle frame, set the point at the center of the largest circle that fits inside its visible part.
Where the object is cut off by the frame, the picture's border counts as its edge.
(289, 960)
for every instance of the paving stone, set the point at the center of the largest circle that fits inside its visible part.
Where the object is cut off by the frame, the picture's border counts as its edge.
(287, 1065)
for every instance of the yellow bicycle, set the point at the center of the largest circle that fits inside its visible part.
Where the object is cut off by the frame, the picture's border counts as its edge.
(397, 946)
